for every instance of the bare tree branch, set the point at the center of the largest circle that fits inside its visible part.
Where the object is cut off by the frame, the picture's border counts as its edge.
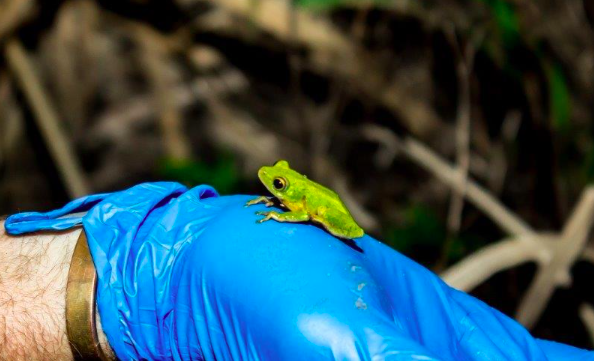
(587, 316)
(47, 119)
(505, 254)
(331, 52)
(155, 60)
(463, 71)
(556, 273)
(118, 122)
(553, 253)
(433, 163)
(13, 13)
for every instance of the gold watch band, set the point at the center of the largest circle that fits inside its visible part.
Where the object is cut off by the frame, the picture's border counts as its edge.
(80, 305)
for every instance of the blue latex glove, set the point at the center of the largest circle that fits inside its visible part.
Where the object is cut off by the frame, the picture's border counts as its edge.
(189, 275)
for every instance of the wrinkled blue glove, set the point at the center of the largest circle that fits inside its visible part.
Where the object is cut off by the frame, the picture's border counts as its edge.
(188, 275)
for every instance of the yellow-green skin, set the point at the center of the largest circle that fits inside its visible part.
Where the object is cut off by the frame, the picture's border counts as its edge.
(306, 200)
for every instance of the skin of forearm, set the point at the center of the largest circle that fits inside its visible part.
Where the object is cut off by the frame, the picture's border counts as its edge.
(33, 276)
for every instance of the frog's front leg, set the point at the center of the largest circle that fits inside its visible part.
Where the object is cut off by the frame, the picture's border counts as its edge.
(261, 199)
(296, 216)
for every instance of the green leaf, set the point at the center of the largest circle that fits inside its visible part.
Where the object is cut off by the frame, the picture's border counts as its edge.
(421, 226)
(506, 18)
(222, 174)
(332, 4)
(559, 97)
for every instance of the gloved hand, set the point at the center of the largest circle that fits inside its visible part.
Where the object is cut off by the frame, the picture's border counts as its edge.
(189, 275)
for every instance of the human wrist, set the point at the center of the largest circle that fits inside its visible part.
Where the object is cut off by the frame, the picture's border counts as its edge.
(102, 337)
(33, 276)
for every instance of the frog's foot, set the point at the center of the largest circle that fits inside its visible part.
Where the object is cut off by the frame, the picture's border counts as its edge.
(298, 216)
(267, 216)
(267, 201)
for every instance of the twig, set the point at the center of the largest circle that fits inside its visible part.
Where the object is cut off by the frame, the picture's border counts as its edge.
(13, 13)
(433, 163)
(328, 52)
(154, 59)
(70, 53)
(505, 254)
(118, 122)
(476, 194)
(46, 118)
(463, 70)
(587, 316)
(556, 273)
(588, 254)
(553, 253)
(11, 122)
(320, 120)
(498, 163)
(272, 16)
(239, 131)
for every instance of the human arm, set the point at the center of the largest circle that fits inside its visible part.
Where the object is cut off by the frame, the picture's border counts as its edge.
(33, 275)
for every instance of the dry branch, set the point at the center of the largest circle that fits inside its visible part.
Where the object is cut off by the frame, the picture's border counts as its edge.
(117, 123)
(47, 119)
(11, 122)
(433, 163)
(505, 254)
(554, 254)
(587, 316)
(155, 59)
(567, 249)
(70, 51)
(331, 53)
(588, 254)
(463, 72)
(13, 13)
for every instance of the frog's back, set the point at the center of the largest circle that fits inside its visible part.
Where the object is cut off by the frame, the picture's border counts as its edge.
(329, 211)
(325, 197)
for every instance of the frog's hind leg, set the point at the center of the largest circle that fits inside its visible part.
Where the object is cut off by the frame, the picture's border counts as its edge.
(337, 223)
(262, 199)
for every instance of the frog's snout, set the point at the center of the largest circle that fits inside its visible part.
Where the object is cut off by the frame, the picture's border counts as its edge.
(264, 175)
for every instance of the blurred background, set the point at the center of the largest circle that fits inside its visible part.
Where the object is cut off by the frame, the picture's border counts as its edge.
(458, 132)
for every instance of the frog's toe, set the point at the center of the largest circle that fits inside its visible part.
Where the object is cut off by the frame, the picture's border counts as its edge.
(262, 213)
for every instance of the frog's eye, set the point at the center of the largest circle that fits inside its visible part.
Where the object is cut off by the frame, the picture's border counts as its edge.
(279, 183)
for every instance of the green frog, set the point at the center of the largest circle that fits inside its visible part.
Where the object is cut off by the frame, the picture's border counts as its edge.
(306, 200)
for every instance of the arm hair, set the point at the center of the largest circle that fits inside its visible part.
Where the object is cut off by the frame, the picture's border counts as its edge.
(33, 276)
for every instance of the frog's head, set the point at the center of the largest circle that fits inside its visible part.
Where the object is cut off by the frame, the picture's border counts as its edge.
(283, 182)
